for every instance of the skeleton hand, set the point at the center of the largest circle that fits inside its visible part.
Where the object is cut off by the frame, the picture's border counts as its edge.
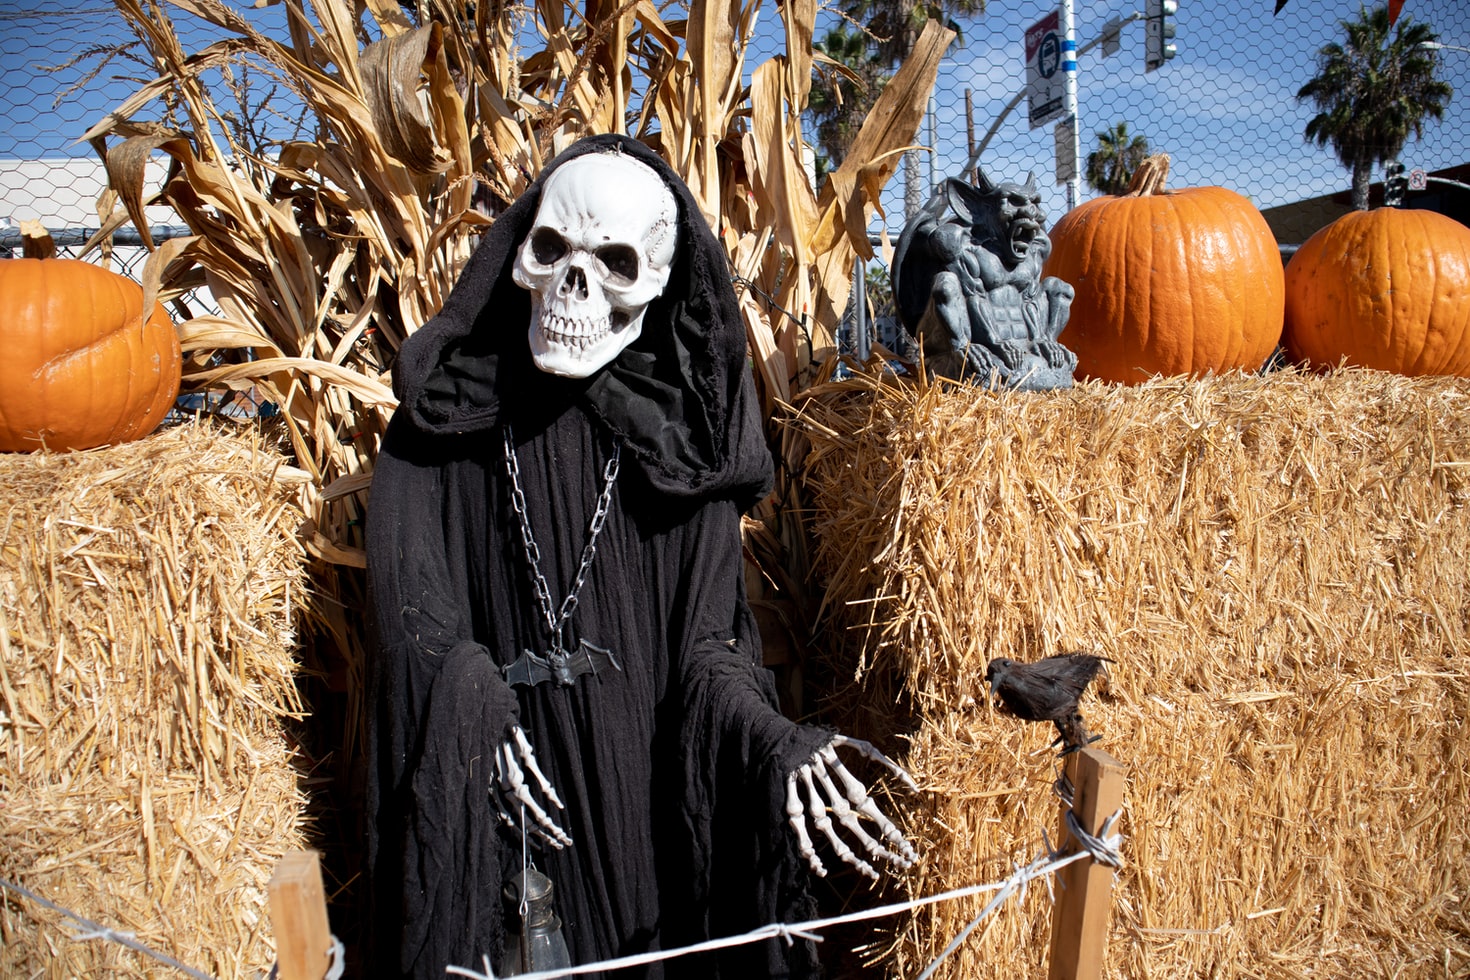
(846, 805)
(513, 797)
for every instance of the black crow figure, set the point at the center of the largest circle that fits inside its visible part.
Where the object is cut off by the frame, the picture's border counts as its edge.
(1048, 690)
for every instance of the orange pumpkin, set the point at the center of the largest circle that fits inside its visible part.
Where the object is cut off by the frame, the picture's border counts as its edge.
(81, 366)
(1168, 282)
(1386, 289)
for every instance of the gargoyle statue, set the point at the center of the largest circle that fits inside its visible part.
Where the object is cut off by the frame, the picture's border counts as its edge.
(967, 277)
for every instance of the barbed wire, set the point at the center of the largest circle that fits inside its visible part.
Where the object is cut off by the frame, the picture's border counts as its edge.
(771, 305)
(336, 963)
(336, 955)
(1105, 847)
(96, 931)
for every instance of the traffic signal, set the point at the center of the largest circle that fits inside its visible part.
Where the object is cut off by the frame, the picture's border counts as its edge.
(1395, 184)
(1158, 32)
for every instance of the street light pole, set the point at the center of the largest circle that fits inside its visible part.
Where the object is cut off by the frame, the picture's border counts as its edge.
(1069, 155)
(994, 128)
(1437, 46)
(1109, 32)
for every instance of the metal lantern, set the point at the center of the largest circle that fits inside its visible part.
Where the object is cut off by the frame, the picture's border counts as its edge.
(539, 945)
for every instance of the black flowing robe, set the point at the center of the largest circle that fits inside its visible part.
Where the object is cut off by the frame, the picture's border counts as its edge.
(673, 767)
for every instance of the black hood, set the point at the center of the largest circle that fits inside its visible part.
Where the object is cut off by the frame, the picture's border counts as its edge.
(680, 398)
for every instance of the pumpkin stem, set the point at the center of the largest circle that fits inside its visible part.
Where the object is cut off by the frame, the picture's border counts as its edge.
(1149, 178)
(35, 241)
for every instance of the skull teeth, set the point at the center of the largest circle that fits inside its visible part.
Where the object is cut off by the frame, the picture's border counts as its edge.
(577, 333)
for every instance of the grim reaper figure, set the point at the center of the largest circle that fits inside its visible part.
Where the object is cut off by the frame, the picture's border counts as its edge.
(567, 672)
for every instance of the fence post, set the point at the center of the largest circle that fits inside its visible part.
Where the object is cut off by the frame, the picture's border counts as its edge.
(1079, 929)
(298, 908)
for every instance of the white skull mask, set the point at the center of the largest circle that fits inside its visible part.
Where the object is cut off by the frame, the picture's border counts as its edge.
(598, 253)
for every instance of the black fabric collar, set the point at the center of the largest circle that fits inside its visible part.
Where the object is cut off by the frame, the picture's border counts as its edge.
(681, 398)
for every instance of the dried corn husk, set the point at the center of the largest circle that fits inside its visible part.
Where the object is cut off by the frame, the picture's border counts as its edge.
(326, 252)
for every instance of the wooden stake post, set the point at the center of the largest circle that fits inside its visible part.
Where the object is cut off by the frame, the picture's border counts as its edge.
(1079, 929)
(299, 915)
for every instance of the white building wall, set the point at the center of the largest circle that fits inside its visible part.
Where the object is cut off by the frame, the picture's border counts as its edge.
(62, 192)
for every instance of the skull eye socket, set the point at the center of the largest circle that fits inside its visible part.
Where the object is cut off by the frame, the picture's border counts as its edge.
(547, 246)
(621, 261)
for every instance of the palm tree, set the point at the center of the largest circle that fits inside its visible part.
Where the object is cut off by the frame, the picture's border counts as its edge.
(1110, 167)
(894, 26)
(1373, 92)
(841, 96)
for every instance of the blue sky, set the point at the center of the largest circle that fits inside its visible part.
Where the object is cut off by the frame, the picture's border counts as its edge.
(48, 103)
(1225, 108)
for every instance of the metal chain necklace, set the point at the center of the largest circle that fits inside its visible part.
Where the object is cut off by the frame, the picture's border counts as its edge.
(560, 664)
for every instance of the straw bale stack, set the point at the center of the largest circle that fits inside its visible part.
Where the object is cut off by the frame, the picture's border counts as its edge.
(148, 593)
(1278, 566)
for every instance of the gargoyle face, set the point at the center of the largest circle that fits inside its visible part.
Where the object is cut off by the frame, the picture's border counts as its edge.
(1009, 217)
(1018, 209)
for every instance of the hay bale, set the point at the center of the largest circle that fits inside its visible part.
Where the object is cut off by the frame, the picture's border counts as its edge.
(1278, 567)
(148, 593)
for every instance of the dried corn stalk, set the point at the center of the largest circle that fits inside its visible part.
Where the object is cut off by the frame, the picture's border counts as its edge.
(325, 254)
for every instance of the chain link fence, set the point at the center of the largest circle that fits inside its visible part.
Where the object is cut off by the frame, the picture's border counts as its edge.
(1225, 107)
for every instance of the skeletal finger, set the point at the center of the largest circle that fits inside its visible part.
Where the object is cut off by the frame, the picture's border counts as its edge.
(507, 807)
(497, 790)
(796, 816)
(513, 778)
(871, 751)
(818, 809)
(857, 794)
(503, 810)
(516, 786)
(528, 757)
(846, 816)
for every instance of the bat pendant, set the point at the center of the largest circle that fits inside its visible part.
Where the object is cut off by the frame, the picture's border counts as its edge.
(559, 665)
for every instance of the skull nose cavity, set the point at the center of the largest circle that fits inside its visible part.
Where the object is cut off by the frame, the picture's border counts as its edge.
(599, 252)
(575, 284)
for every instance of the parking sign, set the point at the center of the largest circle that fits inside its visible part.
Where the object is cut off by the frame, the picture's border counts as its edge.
(1044, 69)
